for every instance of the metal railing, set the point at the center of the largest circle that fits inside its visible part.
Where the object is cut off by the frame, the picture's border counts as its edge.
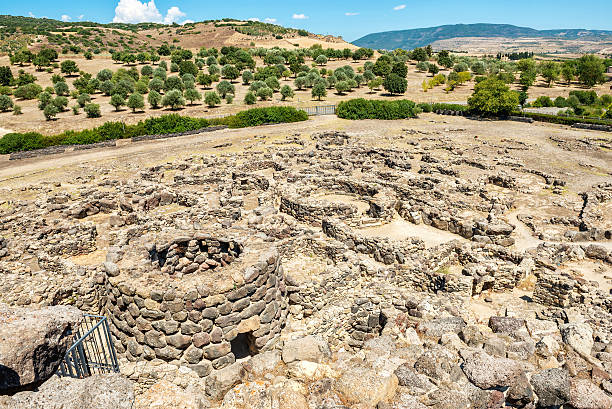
(321, 110)
(92, 351)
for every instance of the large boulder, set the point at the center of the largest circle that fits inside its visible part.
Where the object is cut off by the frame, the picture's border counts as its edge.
(579, 336)
(262, 395)
(486, 371)
(552, 386)
(361, 385)
(437, 327)
(309, 348)
(100, 391)
(221, 381)
(164, 394)
(585, 395)
(33, 343)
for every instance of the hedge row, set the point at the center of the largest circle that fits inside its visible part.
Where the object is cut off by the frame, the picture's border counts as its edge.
(563, 120)
(165, 124)
(260, 116)
(376, 109)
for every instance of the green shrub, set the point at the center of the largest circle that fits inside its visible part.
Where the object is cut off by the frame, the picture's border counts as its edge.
(50, 111)
(376, 109)
(29, 91)
(260, 116)
(14, 142)
(92, 110)
(83, 100)
(563, 120)
(212, 99)
(448, 107)
(425, 107)
(17, 110)
(560, 102)
(6, 103)
(164, 124)
(493, 97)
(543, 101)
(174, 99)
(250, 98)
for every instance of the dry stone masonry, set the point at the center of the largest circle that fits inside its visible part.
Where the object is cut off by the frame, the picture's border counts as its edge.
(432, 267)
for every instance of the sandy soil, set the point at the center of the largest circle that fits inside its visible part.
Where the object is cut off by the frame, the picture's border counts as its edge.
(400, 229)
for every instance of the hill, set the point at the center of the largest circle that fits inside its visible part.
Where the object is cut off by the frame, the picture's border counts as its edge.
(567, 39)
(78, 37)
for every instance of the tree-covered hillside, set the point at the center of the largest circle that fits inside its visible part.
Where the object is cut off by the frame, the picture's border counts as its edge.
(420, 37)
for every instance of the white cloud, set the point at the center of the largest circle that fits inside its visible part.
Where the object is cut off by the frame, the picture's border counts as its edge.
(270, 20)
(173, 15)
(81, 16)
(351, 14)
(133, 11)
(400, 7)
(187, 22)
(31, 14)
(65, 17)
(253, 19)
(300, 17)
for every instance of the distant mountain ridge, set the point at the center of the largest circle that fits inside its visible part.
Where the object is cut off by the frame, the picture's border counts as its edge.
(420, 37)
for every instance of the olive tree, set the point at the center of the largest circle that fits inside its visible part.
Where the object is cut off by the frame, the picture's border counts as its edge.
(212, 99)
(174, 99)
(136, 101)
(117, 100)
(154, 99)
(286, 92)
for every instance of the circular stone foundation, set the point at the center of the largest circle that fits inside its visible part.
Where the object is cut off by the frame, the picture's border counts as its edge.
(197, 300)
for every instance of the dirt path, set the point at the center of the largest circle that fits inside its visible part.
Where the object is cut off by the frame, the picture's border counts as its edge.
(162, 147)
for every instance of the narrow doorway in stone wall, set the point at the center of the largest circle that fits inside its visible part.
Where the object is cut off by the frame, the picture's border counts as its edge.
(243, 346)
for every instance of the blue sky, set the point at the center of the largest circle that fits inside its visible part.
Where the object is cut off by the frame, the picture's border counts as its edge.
(350, 19)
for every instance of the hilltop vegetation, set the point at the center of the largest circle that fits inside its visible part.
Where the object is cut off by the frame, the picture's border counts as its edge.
(94, 38)
(420, 37)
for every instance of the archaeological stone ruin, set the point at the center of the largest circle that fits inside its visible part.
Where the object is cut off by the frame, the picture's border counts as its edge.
(407, 267)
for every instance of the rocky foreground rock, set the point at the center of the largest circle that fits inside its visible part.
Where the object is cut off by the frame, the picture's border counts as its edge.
(33, 343)
(103, 391)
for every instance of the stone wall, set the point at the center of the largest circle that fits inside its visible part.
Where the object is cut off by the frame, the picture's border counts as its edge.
(313, 211)
(195, 327)
(382, 249)
(562, 290)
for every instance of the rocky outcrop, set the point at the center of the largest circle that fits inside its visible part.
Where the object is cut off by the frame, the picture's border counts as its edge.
(100, 391)
(33, 343)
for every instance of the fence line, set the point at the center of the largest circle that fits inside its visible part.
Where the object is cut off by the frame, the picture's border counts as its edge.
(321, 110)
(92, 351)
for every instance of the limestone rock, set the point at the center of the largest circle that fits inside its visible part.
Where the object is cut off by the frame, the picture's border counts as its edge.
(222, 380)
(309, 348)
(361, 385)
(164, 394)
(100, 391)
(486, 371)
(586, 395)
(440, 326)
(552, 386)
(33, 343)
(579, 336)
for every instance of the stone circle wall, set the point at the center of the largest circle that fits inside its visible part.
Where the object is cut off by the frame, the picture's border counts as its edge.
(196, 327)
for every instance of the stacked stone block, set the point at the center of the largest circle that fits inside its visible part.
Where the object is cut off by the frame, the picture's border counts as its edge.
(194, 326)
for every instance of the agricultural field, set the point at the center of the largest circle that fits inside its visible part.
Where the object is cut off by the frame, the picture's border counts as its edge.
(33, 119)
